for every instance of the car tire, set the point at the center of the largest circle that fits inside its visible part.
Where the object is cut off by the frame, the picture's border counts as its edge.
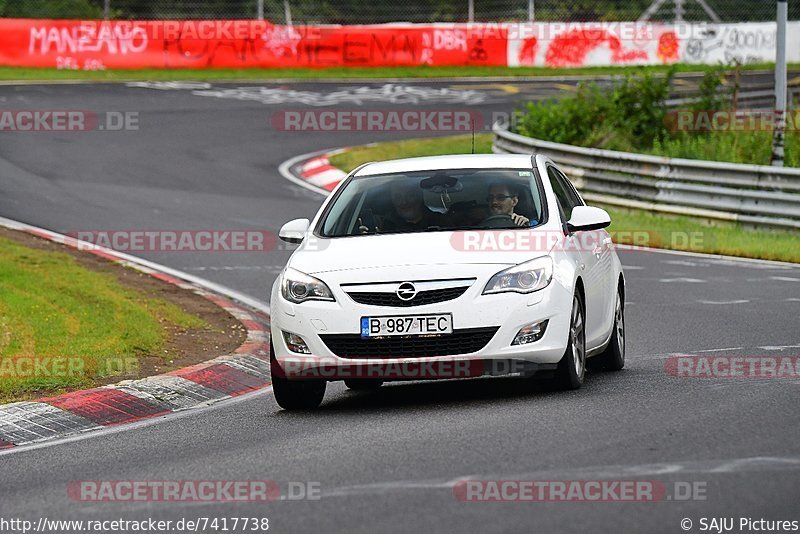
(572, 367)
(294, 394)
(613, 357)
(363, 384)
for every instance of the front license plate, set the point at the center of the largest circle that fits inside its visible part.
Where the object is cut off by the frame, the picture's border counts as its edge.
(405, 325)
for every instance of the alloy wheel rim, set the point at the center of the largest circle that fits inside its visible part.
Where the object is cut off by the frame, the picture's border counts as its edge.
(620, 320)
(576, 333)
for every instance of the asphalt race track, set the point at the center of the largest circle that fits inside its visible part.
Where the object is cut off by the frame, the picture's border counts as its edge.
(388, 460)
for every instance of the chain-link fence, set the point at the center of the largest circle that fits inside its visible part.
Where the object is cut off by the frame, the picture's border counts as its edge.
(360, 12)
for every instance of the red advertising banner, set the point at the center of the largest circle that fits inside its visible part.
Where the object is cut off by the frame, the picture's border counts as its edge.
(201, 44)
(96, 45)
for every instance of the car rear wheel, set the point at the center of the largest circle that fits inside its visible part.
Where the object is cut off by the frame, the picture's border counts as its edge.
(572, 367)
(362, 384)
(613, 358)
(294, 394)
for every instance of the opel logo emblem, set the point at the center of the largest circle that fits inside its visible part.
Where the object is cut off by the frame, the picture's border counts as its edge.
(406, 291)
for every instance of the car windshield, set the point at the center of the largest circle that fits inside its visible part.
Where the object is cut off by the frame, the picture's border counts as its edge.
(429, 201)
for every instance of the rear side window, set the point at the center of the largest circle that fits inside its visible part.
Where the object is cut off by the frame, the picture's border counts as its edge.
(565, 193)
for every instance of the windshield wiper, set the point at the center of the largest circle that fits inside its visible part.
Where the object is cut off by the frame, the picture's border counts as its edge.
(450, 228)
(479, 227)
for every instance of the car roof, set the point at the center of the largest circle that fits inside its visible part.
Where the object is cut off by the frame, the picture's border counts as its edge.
(462, 161)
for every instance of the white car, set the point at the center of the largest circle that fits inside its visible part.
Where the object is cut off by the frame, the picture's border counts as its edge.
(446, 267)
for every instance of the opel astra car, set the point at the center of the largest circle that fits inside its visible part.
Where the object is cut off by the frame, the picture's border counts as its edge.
(446, 267)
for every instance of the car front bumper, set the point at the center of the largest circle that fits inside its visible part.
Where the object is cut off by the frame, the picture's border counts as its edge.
(508, 312)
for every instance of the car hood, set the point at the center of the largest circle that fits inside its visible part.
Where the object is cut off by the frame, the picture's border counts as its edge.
(434, 249)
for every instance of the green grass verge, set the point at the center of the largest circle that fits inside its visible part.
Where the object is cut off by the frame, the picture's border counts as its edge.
(733, 147)
(629, 226)
(47, 74)
(51, 307)
(411, 148)
(639, 227)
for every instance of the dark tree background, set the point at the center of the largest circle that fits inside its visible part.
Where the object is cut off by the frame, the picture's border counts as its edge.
(375, 12)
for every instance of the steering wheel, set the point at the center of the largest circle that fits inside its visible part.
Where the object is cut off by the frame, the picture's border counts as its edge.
(498, 220)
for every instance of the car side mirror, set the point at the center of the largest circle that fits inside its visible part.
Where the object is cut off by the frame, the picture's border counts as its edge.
(294, 231)
(588, 218)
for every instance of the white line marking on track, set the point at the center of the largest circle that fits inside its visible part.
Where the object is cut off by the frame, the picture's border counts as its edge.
(682, 279)
(685, 263)
(723, 302)
(661, 356)
(718, 350)
(733, 465)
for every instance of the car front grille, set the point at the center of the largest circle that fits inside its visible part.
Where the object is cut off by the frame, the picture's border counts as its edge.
(423, 297)
(461, 341)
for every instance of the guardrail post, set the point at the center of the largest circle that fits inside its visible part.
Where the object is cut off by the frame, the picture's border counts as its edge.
(780, 87)
(287, 12)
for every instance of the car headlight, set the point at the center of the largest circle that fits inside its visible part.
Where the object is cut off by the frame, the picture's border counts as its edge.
(523, 278)
(299, 287)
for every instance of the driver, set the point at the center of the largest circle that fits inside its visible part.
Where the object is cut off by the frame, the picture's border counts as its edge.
(503, 198)
(409, 213)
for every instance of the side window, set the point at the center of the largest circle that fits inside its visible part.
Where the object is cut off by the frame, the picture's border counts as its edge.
(565, 194)
(570, 189)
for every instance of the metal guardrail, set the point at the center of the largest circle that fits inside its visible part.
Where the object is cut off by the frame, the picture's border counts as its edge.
(755, 98)
(759, 195)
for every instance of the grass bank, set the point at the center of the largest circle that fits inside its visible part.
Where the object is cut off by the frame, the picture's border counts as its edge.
(68, 323)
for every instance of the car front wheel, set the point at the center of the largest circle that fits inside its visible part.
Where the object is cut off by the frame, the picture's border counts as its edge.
(572, 367)
(294, 394)
(613, 357)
